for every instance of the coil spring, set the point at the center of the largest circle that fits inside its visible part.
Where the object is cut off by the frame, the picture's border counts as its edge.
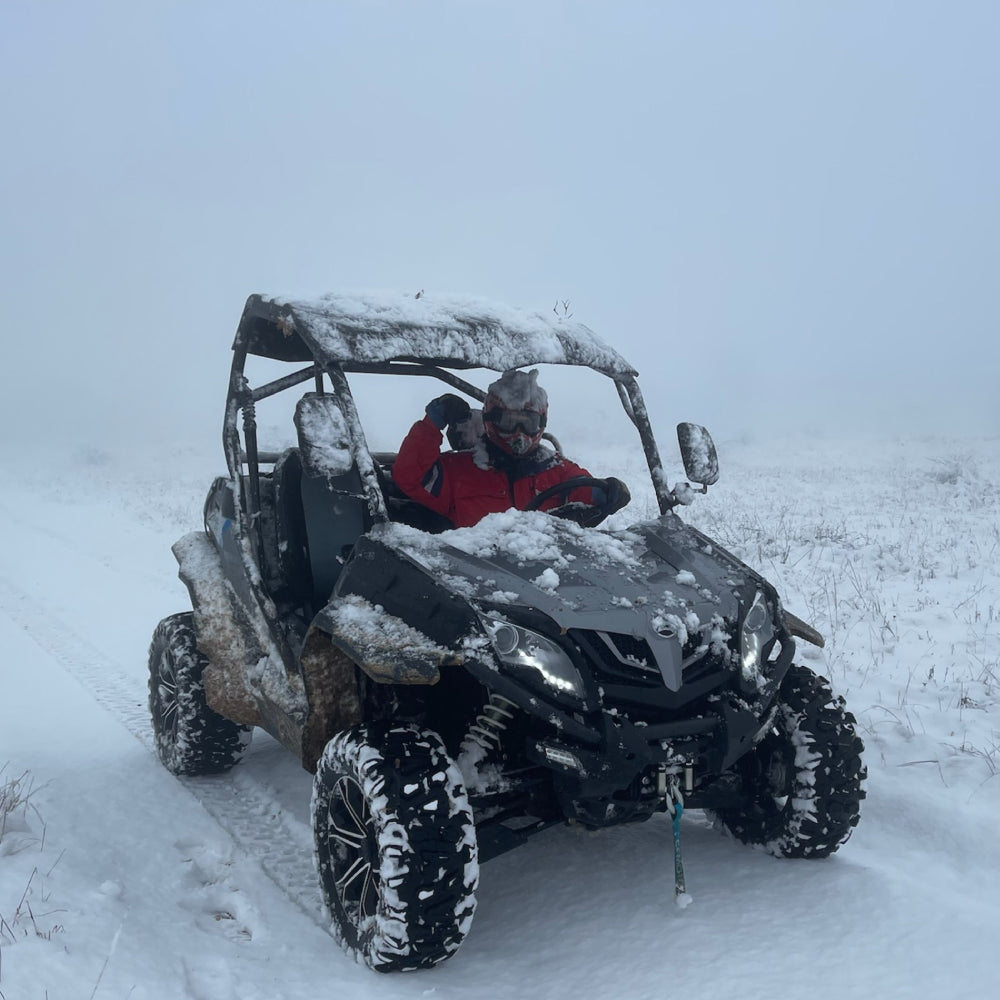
(491, 723)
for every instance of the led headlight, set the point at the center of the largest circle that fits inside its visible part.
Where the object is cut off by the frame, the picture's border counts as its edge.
(757, 630)
(522, 649)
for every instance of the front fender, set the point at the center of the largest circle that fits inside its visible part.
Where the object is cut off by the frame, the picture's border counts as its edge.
(387, 649)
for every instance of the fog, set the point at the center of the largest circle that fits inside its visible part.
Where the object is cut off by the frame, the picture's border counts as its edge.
(783, 214)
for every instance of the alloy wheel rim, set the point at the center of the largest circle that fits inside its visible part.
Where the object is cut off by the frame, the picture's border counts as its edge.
(166, 690)
(354, 848)
(777, 773)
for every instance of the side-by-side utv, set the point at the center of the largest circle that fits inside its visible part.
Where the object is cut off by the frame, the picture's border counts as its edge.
(456, 691)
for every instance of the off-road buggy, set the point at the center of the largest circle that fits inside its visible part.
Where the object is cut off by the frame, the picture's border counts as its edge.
(456, 691)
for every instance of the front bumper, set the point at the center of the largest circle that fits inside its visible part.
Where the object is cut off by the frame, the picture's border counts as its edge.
(604, 765)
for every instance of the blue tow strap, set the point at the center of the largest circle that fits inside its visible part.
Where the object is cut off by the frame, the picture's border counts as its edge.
(681, 897)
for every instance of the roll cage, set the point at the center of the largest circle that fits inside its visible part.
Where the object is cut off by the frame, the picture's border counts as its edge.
(337, 336)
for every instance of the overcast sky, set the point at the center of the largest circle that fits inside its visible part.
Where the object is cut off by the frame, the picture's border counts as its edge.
(775, 210)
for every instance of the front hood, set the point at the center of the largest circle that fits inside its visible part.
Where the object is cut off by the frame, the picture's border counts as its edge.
(660, 581)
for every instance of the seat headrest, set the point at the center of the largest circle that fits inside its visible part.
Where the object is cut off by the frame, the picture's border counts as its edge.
(324, 437)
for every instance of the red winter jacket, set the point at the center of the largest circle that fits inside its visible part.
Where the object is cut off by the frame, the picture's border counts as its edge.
(454, 485)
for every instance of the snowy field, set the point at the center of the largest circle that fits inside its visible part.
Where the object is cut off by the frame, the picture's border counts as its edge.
(120, 882)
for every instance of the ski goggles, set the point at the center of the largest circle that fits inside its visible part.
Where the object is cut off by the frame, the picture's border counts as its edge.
(508, 421)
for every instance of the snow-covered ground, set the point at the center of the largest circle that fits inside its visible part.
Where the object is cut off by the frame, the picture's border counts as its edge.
(118, 880)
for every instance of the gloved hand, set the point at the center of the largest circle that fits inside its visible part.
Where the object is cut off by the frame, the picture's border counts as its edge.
(616, 495)
(447, 409)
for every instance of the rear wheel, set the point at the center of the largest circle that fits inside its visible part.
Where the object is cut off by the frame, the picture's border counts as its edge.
(190, 738)
(395, 846)
(802, 783)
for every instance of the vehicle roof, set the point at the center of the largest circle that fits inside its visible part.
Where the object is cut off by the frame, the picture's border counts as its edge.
(453, 331)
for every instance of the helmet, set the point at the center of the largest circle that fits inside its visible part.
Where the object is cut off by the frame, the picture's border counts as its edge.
(516, 412)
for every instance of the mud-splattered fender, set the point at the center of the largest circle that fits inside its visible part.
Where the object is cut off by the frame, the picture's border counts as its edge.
(385, 647)
(226, 635)
(331, 684)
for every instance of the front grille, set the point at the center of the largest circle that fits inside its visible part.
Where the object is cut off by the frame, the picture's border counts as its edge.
(631, 653)
(697, 668)
(630, 678)
(618, 657)
(625, 656)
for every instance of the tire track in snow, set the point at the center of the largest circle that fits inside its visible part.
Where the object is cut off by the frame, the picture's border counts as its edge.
(237, 802)
(100, 676)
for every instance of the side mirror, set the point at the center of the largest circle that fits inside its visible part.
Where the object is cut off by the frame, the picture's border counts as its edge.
(701, 462)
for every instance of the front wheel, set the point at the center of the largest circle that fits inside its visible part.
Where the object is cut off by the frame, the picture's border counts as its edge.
(395, 846)
(190, 738)
(801, 785)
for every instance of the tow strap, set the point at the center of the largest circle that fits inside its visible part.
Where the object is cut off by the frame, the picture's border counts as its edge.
(675, 806)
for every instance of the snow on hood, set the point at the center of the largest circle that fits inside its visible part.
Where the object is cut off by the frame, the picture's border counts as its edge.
(658, 581)
(459, 330)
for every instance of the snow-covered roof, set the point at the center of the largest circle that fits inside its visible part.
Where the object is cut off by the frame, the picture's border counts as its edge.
(455, 331)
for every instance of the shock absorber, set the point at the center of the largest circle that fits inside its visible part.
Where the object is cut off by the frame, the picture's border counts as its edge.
(490, 724)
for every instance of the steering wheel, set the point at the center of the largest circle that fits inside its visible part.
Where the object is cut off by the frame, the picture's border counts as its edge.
(584, 515)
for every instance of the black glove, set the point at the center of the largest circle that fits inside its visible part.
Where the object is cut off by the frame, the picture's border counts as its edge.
(447, 409)
(617, 495)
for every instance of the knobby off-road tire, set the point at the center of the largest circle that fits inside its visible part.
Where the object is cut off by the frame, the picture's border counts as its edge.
(190, 738)
(802, 783)
(395, 846)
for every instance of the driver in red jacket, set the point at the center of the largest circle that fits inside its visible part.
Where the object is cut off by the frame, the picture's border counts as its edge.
(506, 467)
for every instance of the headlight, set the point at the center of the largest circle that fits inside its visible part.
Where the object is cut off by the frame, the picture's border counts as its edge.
(524, 650)
(757, 630)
